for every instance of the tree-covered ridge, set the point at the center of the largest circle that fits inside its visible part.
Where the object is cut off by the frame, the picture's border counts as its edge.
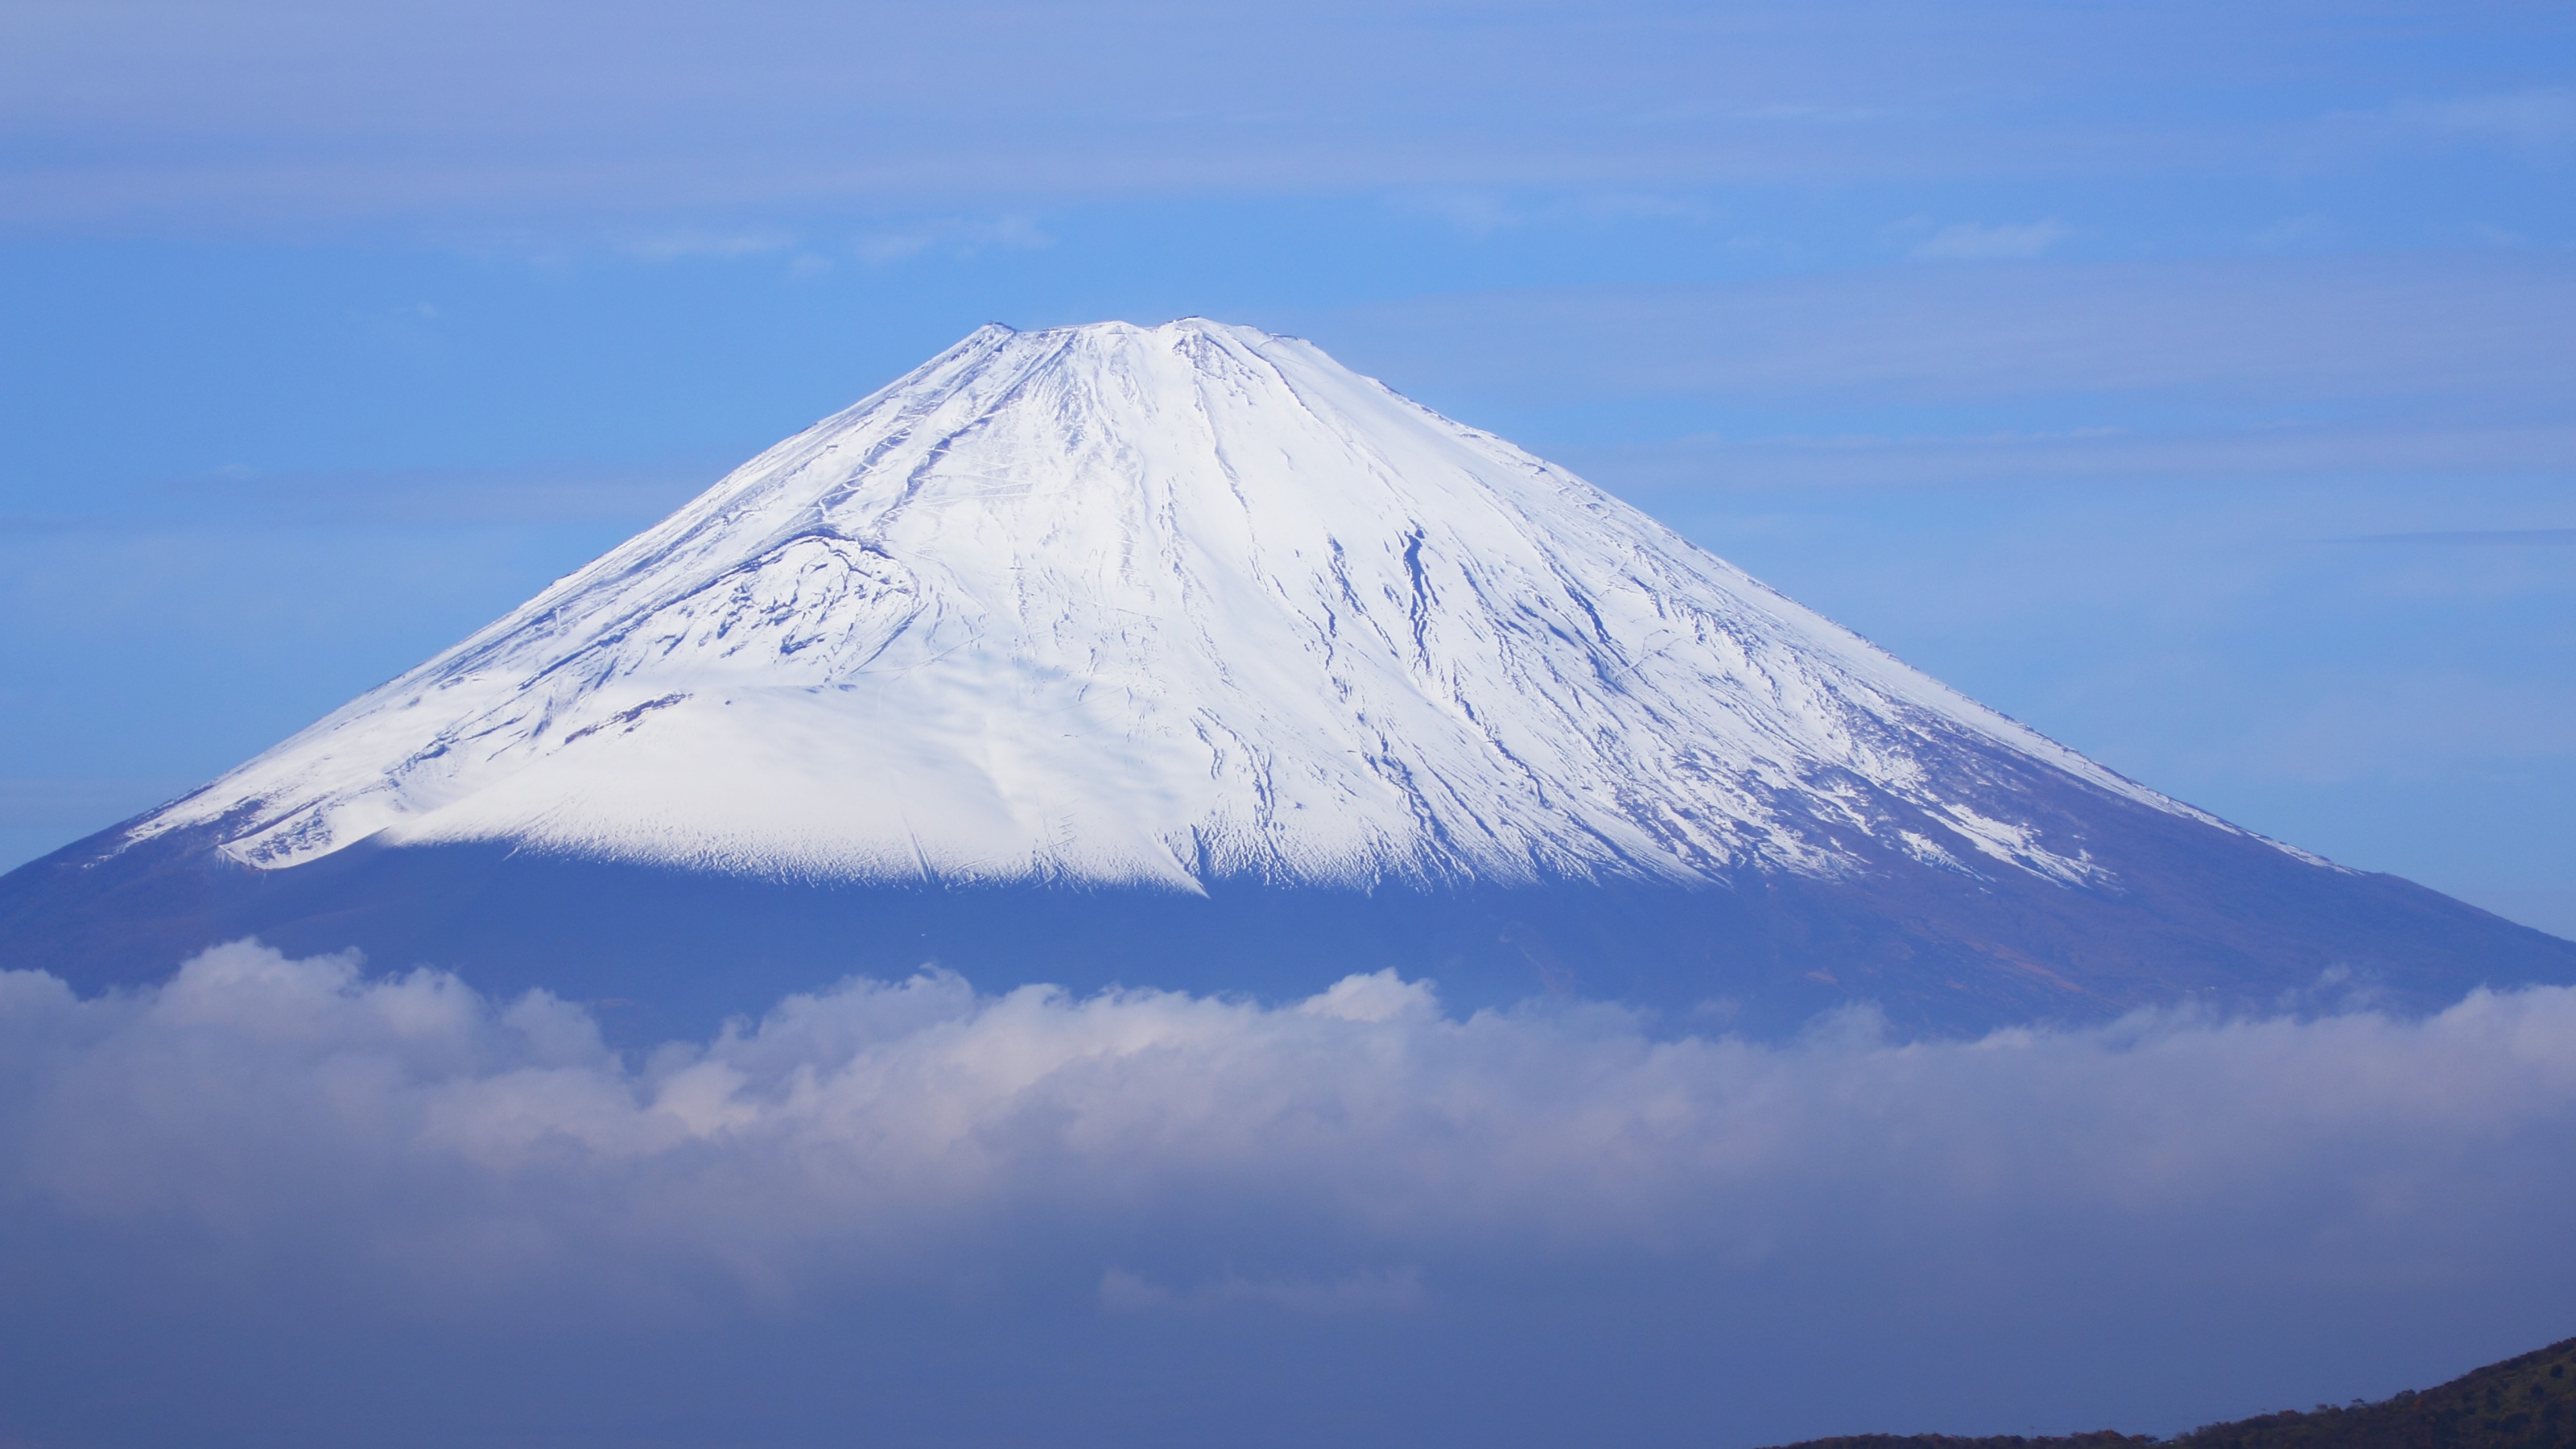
(2522, 1403)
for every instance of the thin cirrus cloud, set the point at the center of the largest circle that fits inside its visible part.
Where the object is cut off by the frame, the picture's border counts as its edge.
(2463, 336)
(241, 498)
(1969, 242)
(2476, 537)
(2538, 119)
(2271, 453)
(914, 1193)
(958, 236)
(290, 112)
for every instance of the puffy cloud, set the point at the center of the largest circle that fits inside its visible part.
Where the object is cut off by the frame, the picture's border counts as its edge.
(274, 1151)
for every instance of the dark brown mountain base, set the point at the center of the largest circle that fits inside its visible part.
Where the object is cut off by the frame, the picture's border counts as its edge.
(2521, 1403)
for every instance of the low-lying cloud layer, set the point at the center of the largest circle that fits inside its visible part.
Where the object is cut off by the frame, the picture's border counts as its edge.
(890, 1203)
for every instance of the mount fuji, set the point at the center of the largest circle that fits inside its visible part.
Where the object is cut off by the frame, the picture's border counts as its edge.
(1185, 657)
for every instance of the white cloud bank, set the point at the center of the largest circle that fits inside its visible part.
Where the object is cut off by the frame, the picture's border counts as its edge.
(265, 1140)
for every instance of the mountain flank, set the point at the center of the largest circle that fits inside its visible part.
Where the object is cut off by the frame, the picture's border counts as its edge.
(1186, 657)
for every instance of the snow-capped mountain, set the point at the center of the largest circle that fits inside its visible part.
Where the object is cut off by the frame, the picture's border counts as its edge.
(1192, 611)
(1117, 605)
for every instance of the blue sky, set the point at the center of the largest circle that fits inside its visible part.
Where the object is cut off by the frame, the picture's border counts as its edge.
(2190, 380)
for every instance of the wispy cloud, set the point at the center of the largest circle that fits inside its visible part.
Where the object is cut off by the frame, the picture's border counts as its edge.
(1969, 242)
(1382, 1291)
(1481, 213)
(1477, 213)
(256, 112)
(2083, 455)
(2531, 118)
(676, 245)
(956, 236)
(238, 496)
(2476, 537)
(2437, 334)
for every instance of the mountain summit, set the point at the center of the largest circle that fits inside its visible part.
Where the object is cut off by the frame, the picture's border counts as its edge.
(1118, 605)
(1184, 655)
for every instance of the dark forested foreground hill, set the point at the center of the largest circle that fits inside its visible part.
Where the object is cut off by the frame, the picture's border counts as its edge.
(2521, 1403)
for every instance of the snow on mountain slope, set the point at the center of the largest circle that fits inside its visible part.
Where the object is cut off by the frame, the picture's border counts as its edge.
(1114, 604)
